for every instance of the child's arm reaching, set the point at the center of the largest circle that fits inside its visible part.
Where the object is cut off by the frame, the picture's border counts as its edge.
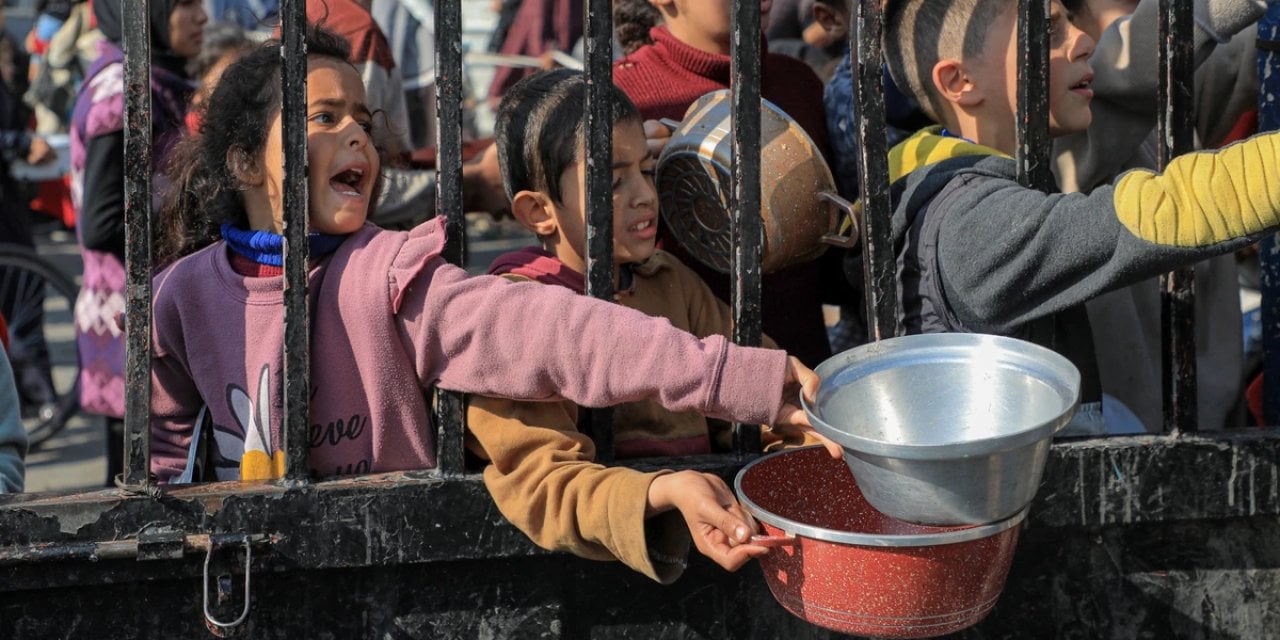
(1009, 255)
(544, 480)
(489, 336)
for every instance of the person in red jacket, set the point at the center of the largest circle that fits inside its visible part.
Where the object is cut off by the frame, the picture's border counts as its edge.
(678, 51)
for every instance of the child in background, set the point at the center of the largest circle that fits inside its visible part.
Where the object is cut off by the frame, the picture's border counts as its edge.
(678, 51)
(1122, 136)
(824, 35)
(980, 253)
(391, 318)
(542, 473)
(224, 43)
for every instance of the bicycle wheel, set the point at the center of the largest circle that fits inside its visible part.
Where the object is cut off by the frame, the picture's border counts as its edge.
(39, 301)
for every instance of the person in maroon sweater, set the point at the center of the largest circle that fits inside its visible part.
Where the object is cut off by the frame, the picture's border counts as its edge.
(676, 52)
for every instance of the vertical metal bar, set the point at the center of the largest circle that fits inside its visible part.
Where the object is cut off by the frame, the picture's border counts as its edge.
(1033, 95)
(137, 215)
(297, 317)
(1269, 256)
(1176, 131)
(598, 125)
(450, 411)
(747, 229)
(880, 271)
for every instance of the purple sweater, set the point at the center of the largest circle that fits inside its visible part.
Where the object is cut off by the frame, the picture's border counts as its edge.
(391, 319)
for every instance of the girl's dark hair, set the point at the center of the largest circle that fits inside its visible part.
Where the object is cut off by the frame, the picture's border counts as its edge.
(539, 129)
(203, 191)
(632, 20)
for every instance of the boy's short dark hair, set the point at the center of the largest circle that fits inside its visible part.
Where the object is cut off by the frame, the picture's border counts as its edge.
(919, 33)
(539, 129)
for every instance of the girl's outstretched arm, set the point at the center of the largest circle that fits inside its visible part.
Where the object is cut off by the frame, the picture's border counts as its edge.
(528, 341)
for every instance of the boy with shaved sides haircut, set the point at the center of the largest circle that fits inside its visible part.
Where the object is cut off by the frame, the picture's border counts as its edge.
(978, 252)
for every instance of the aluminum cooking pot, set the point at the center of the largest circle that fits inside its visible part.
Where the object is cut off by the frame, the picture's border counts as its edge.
(799, 206)
(843, 565)
(946, 428)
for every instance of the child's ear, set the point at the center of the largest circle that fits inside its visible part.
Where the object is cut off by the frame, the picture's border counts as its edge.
(244, 167)
(533, 210)
(954, 84)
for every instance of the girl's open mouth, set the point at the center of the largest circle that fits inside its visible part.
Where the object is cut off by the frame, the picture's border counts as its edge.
(349, 182)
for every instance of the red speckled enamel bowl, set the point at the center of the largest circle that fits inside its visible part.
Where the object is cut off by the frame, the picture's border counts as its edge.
(840, 564)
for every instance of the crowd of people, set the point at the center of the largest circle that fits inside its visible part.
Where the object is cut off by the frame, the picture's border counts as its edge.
(977, 252)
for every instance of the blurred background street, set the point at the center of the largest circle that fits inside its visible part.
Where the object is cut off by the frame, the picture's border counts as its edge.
(75, 458)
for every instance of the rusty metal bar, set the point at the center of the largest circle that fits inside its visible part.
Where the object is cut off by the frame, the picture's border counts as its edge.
(1033, 95)
(297, 317)
(132, 549)
(450, 409)
(880, 263)
(1176, 131)
(747, 231)
(598, 128)
(137, 215)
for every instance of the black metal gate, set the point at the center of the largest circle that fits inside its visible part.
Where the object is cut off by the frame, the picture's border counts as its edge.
(1172, 535)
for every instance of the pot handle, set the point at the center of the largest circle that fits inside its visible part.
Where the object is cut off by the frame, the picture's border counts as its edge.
(773, 541)
(851, 220)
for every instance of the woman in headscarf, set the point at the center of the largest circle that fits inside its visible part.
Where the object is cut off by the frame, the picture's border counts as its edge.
(97, 189)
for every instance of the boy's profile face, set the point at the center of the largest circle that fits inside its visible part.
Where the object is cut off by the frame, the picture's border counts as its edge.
(635, 203)
(996, 71)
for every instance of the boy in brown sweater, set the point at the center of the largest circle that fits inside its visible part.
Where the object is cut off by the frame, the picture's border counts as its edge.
(542, 475)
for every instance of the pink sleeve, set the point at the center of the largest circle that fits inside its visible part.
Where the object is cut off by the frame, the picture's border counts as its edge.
(175, 401)
(528, 341)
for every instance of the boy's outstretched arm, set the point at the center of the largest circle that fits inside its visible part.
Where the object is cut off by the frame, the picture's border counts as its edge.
(544, 479)
(1008, 255)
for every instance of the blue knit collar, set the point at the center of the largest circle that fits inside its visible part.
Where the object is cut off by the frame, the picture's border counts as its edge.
(265, 247)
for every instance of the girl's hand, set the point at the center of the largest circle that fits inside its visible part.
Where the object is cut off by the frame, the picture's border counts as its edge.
(791, 417)
(720, 528)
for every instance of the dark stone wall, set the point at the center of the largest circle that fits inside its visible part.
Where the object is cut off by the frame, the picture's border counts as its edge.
(1159, 537)
(1213, 580)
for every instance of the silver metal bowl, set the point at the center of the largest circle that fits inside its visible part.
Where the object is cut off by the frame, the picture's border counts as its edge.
(946, 429)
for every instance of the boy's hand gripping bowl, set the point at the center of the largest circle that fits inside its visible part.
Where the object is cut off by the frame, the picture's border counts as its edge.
(946, 429)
